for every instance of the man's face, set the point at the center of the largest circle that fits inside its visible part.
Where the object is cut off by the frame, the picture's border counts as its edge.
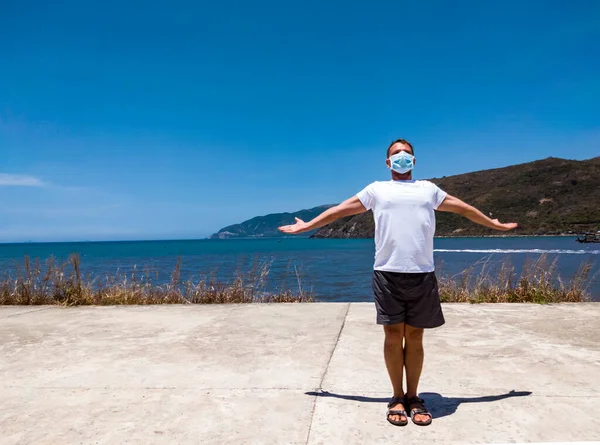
(397, 148)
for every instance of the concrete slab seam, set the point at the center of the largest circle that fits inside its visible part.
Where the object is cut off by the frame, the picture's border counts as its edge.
(320, 388)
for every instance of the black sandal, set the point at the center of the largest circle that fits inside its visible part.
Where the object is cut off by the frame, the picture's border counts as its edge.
(397, 412)
(418, 410)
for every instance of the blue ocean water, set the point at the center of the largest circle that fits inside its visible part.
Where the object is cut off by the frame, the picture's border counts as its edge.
(333, 269)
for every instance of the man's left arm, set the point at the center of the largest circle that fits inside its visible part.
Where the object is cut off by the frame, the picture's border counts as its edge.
(454, 205)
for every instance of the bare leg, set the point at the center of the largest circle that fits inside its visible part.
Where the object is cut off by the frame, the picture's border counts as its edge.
(413, 361)
(393, 353)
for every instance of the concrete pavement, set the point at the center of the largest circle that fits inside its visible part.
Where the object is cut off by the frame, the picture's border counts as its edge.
(292, 374)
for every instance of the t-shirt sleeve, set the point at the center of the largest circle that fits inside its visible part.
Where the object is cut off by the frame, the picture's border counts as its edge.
(438, 196)
(367, 197)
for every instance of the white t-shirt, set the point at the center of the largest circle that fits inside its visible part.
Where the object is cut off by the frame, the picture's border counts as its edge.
(404, 223)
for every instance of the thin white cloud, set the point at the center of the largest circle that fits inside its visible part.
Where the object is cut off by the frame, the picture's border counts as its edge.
(20, 181)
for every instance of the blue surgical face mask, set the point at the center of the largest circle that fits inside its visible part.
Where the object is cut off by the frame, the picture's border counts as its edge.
(402, 162)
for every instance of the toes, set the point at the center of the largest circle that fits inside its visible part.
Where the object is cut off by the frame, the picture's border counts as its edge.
(397, 418)
(421, 418)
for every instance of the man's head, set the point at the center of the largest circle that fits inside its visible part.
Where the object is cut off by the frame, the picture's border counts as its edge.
(398, 146)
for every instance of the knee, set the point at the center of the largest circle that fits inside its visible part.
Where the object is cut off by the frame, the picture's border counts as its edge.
(414, 336)
(394, 335)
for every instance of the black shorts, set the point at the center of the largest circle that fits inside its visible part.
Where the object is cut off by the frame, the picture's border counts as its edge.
(410, 298)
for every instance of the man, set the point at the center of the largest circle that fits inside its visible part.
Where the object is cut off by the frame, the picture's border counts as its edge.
(404, 282)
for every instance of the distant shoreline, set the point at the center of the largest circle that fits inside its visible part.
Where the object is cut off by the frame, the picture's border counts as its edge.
(482, 236)
(269, 238)
(437, 236)
(440, 236)
(505, 236)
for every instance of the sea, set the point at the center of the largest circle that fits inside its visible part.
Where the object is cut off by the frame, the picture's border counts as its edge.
(331, 269)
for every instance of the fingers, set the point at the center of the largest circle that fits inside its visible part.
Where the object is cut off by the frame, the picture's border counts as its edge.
(505, 226)
(292, 228)
(287, 229)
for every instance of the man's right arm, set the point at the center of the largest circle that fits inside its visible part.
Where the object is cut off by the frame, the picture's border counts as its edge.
(351, 206)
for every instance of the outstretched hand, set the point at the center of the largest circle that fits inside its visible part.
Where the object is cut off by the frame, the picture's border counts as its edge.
(504, 227)
(293, 229)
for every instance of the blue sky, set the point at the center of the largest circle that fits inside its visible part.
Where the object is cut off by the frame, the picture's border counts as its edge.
(138, 120)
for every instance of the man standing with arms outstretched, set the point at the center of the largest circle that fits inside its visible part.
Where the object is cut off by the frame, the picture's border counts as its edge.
(404, 282)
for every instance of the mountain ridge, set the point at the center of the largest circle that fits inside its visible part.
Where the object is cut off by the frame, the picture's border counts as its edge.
(266, 226)
(546, 196)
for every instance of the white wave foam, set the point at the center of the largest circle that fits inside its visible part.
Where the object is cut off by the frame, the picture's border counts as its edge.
(574, 252)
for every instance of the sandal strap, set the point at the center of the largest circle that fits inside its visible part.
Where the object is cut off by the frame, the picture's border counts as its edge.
(395, 401)
(397, 412)
(416, 411)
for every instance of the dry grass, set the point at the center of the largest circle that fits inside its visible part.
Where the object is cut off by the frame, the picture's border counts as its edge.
(63, 284)
(538, 282)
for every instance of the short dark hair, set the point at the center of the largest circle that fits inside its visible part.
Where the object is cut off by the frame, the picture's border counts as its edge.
(401, 141)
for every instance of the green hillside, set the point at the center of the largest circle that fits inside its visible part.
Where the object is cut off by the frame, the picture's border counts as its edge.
(266, 226)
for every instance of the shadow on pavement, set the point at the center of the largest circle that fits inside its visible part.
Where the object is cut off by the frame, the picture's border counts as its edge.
(438, 405)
